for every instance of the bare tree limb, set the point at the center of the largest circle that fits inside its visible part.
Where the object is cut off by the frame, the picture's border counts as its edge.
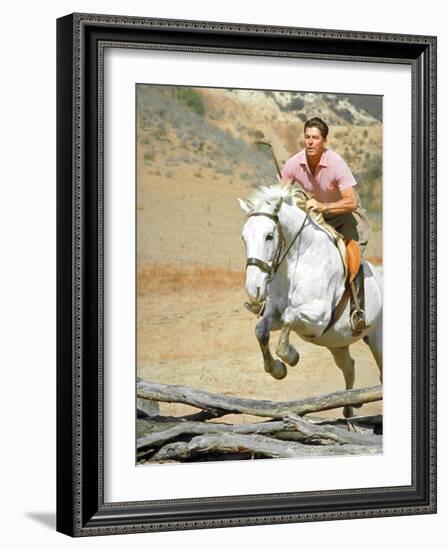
(293, 428)
(256, 445)
(155, 439)
(313, 432)
(363, 421)
(272, 409)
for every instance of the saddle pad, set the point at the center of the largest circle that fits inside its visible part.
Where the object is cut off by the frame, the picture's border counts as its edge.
(301, 196)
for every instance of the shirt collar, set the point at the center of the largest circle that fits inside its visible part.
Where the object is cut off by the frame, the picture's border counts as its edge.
(303, 159)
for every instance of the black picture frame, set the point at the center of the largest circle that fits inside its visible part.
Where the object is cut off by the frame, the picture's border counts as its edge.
(81, 509)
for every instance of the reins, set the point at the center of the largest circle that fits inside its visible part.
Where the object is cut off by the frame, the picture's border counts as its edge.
(294, 240)
(278, 259)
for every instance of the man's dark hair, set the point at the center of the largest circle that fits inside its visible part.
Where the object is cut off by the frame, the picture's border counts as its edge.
(318, 123)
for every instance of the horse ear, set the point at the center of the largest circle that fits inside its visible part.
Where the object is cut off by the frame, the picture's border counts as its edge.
(278, 205)
(246, 206)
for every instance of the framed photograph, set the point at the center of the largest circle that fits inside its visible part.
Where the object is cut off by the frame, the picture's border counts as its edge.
(246, 274)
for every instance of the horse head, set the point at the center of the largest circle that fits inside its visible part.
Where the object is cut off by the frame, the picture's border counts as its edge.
(263, 238)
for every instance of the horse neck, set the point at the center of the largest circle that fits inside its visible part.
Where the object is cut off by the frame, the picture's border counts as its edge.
(312, 242)
(292, 220)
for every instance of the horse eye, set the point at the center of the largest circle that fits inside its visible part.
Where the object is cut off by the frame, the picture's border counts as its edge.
(269, 237)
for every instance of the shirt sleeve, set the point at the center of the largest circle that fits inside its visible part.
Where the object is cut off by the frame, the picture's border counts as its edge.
(344, 176)
(287, 171)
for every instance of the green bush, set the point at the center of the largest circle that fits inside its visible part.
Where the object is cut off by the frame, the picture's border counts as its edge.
(297, 104)
(345, 114)
(370, 183)
(148, 156)
(374, 168)
(190, 99)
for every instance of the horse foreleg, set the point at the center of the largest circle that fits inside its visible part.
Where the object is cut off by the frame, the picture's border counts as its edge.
(274, 367)
(344, 361)
(284, 349)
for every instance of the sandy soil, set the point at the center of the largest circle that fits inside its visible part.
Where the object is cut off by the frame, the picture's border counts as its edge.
(192, 328)
(206, 340)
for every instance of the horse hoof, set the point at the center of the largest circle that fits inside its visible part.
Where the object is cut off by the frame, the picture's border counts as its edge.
(278, 370)
(347, 412)
(290, 357)
(293, 357)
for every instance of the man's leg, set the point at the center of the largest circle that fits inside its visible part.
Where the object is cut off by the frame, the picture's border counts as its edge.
(358, 317)
(347, 226)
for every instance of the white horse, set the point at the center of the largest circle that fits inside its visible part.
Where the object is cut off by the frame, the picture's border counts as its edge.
(295, 269)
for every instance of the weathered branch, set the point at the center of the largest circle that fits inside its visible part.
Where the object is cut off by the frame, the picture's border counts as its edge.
(156, 439)
(147, 408)
(293, 428)
(272, 409)
(314, 432)
(372, 421)
(256, 445)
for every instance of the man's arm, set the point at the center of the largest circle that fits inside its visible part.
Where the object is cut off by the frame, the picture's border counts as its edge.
(348, 203)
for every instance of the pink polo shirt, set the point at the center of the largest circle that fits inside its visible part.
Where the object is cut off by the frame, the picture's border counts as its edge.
(331, 175)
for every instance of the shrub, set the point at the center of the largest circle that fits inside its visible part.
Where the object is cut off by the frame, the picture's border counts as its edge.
(297, 104)
(190, 99)
(345, 114)
(148, 156)
(370, 184)
(374, 168)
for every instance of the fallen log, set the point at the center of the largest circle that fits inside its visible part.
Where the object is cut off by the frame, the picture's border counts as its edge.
(331, 434)
(293, 428)
(156, 439)
(272, 409)
(255, 445)
(146, 407)
(372, 421)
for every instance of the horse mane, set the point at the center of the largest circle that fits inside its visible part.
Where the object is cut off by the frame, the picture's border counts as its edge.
(294, 195)
(271, 193)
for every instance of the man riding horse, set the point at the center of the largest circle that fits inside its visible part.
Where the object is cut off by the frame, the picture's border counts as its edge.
(325, 175)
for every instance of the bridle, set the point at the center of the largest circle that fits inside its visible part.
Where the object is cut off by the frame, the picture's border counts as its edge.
(272, 269)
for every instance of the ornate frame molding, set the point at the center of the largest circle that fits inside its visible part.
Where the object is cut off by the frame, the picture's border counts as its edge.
(81, 42)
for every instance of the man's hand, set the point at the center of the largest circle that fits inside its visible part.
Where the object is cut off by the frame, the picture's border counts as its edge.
(348, 203)
(315, 205)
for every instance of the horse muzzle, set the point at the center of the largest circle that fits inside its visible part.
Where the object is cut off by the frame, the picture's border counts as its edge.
(256, 285)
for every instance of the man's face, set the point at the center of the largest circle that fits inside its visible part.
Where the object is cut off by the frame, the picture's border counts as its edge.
(314, 143)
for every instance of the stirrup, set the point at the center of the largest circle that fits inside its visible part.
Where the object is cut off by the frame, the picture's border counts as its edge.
(358, 321)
